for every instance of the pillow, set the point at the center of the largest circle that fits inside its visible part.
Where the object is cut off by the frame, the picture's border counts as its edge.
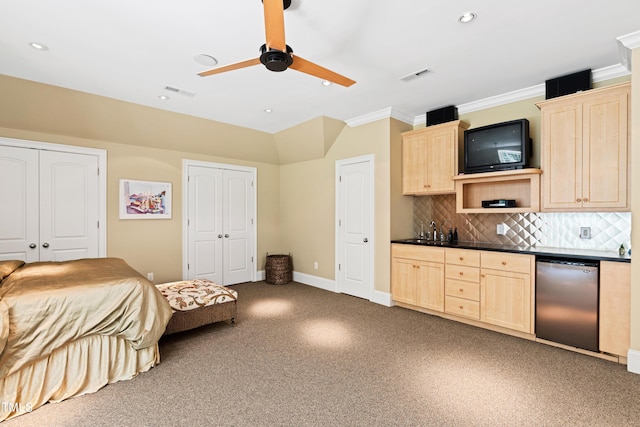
(8, 267)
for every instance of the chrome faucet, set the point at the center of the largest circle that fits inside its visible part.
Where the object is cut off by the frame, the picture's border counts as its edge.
(435, 230)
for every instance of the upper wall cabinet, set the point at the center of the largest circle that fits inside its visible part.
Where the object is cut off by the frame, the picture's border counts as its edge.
(430, 158)
(584, 150)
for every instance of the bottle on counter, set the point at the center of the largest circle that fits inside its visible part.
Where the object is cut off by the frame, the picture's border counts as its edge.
(622, 250)
(450, 236)
(455, 235)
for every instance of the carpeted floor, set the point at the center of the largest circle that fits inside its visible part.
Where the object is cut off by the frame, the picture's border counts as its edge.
(300, 356)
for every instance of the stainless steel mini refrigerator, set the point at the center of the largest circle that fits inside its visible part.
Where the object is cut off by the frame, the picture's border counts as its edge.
(567, 302)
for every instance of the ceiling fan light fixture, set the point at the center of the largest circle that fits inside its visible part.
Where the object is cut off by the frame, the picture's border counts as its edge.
(326, 83)
(467, 17)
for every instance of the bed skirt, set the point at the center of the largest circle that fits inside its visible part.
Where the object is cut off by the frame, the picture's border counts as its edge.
(82, 366)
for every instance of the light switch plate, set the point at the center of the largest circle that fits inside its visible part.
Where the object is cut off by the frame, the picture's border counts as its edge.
(585, 232)
(501, 229)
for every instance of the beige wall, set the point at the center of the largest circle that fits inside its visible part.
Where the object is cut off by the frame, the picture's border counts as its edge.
(307, 206)
(156, 245)
(635, 199)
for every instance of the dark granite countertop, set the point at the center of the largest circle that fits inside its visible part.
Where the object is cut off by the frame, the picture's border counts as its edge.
(585, 254)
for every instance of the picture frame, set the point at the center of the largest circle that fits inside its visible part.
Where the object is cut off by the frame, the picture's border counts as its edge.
(145, 199)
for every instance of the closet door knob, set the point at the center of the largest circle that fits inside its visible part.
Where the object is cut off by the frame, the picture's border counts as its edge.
(32, 246)
(226, 235)
(219, 236)
(45, 245)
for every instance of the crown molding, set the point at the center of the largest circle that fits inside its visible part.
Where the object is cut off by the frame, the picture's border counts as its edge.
(601, 74)
(385, 113)
(626, 44)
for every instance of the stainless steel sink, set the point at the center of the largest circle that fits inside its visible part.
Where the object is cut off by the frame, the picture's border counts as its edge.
(427, 242)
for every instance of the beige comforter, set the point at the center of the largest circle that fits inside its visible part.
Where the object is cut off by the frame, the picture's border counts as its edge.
(47, 305)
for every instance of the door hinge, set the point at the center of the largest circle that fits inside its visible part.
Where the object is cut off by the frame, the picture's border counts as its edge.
(339, 223)
(98, 224)
(188, 266)
(251, 259)
(98, 172)
(251, 221)
(339, 267)
(340, 178)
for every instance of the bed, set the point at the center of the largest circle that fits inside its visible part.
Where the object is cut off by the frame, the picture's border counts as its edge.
(70, 328)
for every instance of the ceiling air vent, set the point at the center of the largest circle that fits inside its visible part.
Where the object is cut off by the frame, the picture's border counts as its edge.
(180, 91)
(416, 74)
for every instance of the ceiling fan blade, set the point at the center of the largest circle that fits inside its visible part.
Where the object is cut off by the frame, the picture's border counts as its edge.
(237, 65)
(274, 24)
(310, 68)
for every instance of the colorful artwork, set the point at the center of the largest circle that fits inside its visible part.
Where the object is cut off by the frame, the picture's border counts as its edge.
(145, 199)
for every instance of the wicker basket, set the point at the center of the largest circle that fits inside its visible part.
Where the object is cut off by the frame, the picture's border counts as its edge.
(278, 269)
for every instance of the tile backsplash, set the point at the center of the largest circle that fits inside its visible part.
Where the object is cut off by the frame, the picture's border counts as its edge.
(558, 230)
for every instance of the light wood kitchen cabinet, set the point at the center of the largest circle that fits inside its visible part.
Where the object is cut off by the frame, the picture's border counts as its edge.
(506, 290)
(417, 276)
(430, 158)
(462, 283)
(615, 307)
(584, 150)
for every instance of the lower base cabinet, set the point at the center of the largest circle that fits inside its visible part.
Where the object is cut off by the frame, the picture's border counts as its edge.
(615, 307)
(418, 276)
(495, 288)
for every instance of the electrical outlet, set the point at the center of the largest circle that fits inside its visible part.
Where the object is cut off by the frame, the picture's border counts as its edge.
(501, 229)
(150, 276)
(315, 265)
(585, 232)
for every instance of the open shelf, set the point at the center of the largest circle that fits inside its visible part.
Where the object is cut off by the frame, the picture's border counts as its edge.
(522, 185)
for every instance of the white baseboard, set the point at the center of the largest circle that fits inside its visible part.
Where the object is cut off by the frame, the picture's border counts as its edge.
(315, 281)
(261, 275)
(633, 361)
(382, 298)
(378, 297)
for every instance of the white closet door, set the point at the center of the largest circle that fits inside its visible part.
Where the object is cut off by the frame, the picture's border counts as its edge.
(68, 206)
(19, 204)
(238, 229)
(205, 224)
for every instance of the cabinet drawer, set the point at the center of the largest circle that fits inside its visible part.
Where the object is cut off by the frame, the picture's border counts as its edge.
(460, 272)
(463, 257)
(462, 307)
(466, 290)
(507, 262)
(420, 253)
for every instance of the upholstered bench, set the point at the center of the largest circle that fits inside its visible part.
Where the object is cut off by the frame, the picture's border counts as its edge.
(197, 303)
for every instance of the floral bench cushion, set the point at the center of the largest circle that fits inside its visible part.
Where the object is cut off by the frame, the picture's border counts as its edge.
(191, 294)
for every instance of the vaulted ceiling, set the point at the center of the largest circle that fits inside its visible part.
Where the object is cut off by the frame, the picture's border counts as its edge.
(138, 51)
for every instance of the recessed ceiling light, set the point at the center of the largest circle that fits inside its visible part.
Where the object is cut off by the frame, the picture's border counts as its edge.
(467, 17)
(268, 110)
(38, 46)
(204, 59)
(163, 97)
(326, 83)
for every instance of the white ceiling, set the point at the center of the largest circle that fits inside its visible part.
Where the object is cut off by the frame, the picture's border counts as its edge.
(131, 50)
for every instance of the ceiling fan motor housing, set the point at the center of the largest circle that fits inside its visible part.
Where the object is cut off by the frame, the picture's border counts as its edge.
(276, 60)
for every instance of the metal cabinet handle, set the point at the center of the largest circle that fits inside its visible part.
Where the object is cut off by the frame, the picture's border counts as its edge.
(32, 246)
(45, 245)
(365, 240)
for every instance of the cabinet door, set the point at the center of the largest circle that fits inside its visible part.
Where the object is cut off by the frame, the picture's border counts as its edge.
(562, 156)
(441, 159)
(505, 299)
(605, 142)
(615, 307)
(430, 286)
(403, 280)
(413, 163)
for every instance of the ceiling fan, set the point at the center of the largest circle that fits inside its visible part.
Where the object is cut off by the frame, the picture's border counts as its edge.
(276, 55)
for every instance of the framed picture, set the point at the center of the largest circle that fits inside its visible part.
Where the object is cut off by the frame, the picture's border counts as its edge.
(145, 199)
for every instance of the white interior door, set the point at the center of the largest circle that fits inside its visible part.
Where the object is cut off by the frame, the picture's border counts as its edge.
(205, 223)
(19, 215)
(220, 229)
(354, 212)
(237, 220)
(69, 218)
